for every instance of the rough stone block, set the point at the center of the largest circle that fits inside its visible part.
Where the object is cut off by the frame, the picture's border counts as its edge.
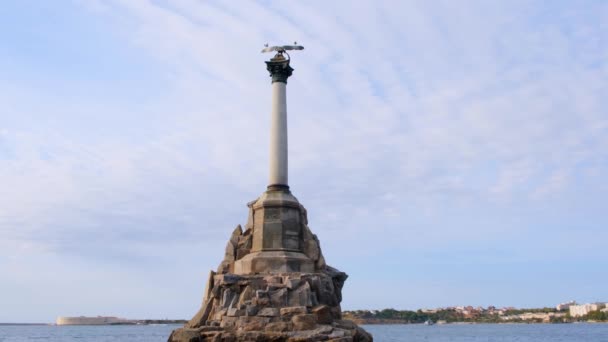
(260, 301)
(273, 279)
(246, 295)
(252, 323)
(323, 314)
(252, 310)
(340, 339)
(336, 333)
(345, 324)
(292, 283)
(228, 322)
(229, 298)
(278, 326)
(323, 330)
(336, 312)
(185, 335)
(230, 278)
(304, 322)
(278, 298)
(293, 310)
(217, 316)
(300, 296)
(234, 312)
(362, 336)
(261, 294)
(269, 312)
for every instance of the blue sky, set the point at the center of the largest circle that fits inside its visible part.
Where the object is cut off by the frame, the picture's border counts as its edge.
(448, 153)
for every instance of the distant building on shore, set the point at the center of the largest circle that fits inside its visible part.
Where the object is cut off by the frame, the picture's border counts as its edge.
(565, 306)
(584, 309)
(99, 320)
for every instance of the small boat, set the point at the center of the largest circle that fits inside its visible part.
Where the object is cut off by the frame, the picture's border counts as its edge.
(428, 322)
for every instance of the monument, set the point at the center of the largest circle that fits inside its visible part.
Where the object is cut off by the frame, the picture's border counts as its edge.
(273, 283)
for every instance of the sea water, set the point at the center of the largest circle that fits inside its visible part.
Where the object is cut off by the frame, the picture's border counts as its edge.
(581, 332)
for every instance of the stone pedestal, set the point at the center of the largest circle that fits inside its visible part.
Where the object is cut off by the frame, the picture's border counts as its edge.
(278, 261)
(278, 222)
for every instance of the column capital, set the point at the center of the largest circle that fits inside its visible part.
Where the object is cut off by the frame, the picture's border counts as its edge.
(279, 68)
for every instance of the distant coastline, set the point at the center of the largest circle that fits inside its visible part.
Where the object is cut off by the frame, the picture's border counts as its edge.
(572, 313)
(122, 322)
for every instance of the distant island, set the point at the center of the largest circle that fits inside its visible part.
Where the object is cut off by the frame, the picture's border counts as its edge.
(563, 313)
(110, 320)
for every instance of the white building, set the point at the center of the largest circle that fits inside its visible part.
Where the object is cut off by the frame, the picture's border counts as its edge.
(565, 306)
(584, 309)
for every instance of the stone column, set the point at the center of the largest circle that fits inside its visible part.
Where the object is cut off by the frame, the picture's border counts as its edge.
(277, 218)
(279, 70)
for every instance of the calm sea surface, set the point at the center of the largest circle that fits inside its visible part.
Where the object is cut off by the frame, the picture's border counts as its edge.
(382, 333)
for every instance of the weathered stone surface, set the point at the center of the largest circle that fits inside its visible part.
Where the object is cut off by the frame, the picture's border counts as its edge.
(185, 335)
(292, 283)
(340, 339)
(273, 279)
(336, 333)
(336, 312)
(230, 254)
(252, 323)
(323, 286)
(293, 310)
(227, 279)
(259, 336)
(280, 261)
(246, 295)
(229, 298)
(228, 322)
(323, 314)
(345, 324)
(304, 322)
(278, 326)
(278, 298)
(236, 234)
(233, 312)
(323, 329)
(338, 279)
(251, 310)
(310, 244)
(217, 316)
(269, 312)
(244, 245)
(209, 286)
(362, 336)
(208, 328)
(300, 296)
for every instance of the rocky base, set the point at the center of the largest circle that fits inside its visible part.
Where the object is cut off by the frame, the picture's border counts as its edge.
(272, 307)
(261, 330)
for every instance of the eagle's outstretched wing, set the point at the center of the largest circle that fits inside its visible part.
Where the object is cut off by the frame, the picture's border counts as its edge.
(292, 47)
(282, 48)
(271, 48)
